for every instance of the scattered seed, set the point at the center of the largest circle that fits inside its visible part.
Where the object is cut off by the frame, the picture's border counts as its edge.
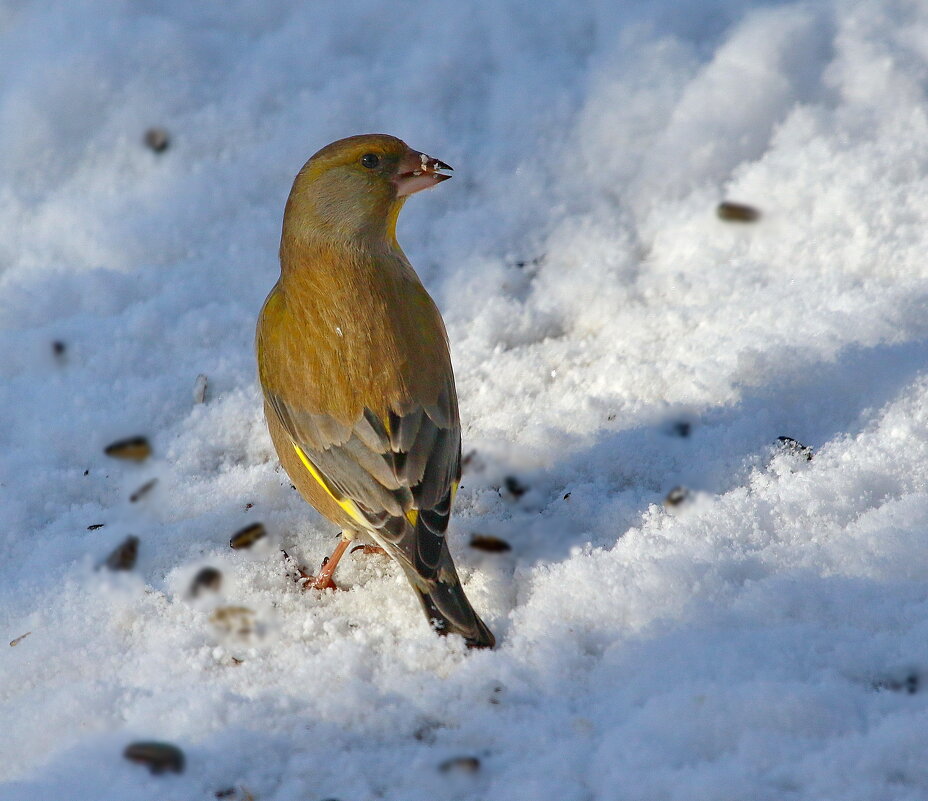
(95, 526)
(463, 764)
(736, 212)
(158, 757)
(676, 496)
(248, 506)
(238, 620)
(224, 793)
(86, 472)
(515, 488)
(909, 684)
(157, 139)
(124, 555)
(489, 543)
(682, 429)
(199, 389)
(135, 449)
(19, 639)
(610, 417)
(59, 348)
(248, 536)
(207, 580)
(142, 491)
(523, 263)
(566, 496)
(794, 447)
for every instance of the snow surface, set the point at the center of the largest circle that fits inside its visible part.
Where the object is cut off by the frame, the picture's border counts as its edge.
(760, 641)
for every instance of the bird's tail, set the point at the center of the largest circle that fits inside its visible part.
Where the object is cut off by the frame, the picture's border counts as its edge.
(446, 606)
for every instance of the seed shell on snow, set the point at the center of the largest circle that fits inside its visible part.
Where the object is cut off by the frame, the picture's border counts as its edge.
(199, 388)
(677, 496)
(736, 212)
(209, 579)
(133, 449)
(157, 139)
(248, 536)
(19, 639)
(462, 764)
(124, 555)
(142, 491)
(489, 543)
(157, 757)
(794, 447)
(239, 620)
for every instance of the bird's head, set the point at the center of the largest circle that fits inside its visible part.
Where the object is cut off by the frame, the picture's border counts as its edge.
(355, 187)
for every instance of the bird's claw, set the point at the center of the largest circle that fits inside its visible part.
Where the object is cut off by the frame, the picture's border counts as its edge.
(369, 549)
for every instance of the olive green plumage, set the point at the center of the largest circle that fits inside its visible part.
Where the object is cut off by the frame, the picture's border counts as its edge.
(354, 363)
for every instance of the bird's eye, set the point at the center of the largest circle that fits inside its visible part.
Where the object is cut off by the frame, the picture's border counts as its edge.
(369, 160)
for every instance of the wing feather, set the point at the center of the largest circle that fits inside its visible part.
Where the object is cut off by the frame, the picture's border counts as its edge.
(399, 473)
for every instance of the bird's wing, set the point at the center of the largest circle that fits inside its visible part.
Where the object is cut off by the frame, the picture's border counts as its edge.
(396, 476)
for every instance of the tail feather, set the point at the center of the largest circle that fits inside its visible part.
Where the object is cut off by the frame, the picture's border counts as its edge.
(445, 604)
(422, 551)
(449, 612)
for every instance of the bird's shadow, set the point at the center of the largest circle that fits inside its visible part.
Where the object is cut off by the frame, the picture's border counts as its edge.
(597, 491)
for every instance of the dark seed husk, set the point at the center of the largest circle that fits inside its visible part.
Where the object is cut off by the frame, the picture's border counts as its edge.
(158, 757)
(238, 620)
(514, 486)
(142, 491)
(95, 526)
(676, 496)
(462, 764)
(207, 580)
(248, 536)
(19, 639)
(59, 348)
(124, 555)
(199, 389)
(157, 139)
(736, 212)
(489, 543)
(909, 684)
(135, 449)
(795, 447)
(682, 428)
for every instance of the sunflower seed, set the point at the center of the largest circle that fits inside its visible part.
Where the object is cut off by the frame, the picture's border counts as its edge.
(794, 447)
(238, 620)
(462, 764)
(142, 491)
(736, 212)
(124, 555)
(207, 580)
(19, 639)
(135, 449)
(158, 757)
(248, 536)
(489, 543)
(676, 496)
(199, 389)
(157, 139)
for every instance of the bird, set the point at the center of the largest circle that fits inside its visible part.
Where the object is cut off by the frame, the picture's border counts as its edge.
(355, 369)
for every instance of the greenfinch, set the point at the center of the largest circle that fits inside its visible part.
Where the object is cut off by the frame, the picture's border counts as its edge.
(354, 364)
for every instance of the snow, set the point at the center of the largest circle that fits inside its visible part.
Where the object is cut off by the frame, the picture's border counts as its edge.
(765, 639)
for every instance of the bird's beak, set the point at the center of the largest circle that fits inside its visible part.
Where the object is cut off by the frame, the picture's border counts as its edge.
(417, 171)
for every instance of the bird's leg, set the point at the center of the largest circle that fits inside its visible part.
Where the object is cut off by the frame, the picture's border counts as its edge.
(324, 580)
(370, 549)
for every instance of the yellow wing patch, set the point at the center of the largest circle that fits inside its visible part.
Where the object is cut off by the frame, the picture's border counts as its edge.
(348, 506)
